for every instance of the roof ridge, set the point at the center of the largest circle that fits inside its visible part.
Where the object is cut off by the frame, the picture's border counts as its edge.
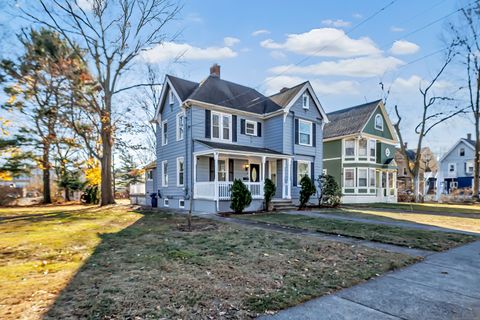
(288, 89)
(375, 102)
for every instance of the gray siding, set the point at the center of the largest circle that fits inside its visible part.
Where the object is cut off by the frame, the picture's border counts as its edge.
(454, 157)
(273, 133)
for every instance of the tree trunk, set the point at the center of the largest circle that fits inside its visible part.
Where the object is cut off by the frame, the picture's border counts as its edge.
(46, 174)
(476, 172)
(67, 194)
(416, 187)
(106, 166)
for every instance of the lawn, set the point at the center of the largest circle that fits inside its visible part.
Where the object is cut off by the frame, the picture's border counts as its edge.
(423, 207)
(450, 220)
(428, 240)
(86, 262)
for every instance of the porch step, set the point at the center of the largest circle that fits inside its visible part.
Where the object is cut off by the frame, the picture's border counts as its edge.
(283, 205)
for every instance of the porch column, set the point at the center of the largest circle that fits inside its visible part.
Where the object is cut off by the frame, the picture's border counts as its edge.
(284, 195)
(215, 160)
(262, 180)
(194, 178)
(387, 185)
(289, 189)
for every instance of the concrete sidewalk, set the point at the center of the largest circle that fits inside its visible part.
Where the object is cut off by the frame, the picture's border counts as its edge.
(443, 286)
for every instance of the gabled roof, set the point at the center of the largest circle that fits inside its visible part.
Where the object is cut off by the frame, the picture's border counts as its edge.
(285, 96)
(468, 142)
(231, 95)
(349, 121)
(184, 88)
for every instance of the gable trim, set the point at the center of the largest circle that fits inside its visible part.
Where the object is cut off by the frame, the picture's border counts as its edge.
(163, 98)
(308, 87)
(454, 146)
(387, 120)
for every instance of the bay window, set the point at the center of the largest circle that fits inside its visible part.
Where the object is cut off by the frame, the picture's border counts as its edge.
(362, 147)
(349, 178)
(305, 132)
(372, 178)
(350, 148)
(362, 177)
(373, 148)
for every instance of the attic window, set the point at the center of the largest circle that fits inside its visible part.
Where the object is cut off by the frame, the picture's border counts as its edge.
(379, 122)
(305, 101)
(461, 152)
(171, 97)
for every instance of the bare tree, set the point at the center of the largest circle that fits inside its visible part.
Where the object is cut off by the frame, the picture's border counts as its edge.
(466, 34)
(431, 116)
(112, 34)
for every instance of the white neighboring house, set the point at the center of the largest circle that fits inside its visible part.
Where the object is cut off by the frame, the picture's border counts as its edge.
(455, 170)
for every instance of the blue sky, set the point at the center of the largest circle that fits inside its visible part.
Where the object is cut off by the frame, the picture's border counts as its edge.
(251, 42)
(273, 44)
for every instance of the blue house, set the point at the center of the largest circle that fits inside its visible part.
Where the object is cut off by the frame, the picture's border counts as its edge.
(212, 132)
(456, 166)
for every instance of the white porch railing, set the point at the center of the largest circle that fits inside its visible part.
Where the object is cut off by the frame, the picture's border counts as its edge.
(206, 190)
(138, 188)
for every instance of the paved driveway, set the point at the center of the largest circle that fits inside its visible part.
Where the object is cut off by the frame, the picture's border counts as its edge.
(443, 286)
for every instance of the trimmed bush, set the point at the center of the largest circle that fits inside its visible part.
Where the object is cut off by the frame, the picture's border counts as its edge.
(331, 194)
(308, 189)
(241, 196)
(269, 190)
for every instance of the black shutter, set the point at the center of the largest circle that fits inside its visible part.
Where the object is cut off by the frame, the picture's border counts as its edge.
(259, 129)
(294, 173)
(242, 126)
(314, 134)
(211, 167)
(234, 128)
(230, 169)
(296, 131)
(312, 170)
(208, 123)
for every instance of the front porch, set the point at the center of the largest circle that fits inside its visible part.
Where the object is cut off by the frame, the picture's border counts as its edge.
(215, 170)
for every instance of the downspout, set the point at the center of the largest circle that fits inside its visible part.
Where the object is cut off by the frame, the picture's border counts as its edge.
(293, 132)
(190, 192)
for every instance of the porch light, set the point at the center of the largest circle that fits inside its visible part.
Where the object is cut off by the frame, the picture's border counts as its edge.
(246, 167)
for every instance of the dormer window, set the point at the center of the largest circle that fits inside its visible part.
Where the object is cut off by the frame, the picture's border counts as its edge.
(379, 122)
(305, 101)
(171, 97)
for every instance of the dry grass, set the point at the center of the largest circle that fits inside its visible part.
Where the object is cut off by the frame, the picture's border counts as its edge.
(424, 207)
(142, 265)
(414, 238)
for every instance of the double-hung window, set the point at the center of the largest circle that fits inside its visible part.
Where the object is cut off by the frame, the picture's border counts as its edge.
(350, 148)
(222, 170)
(349, 178)
(372, 178)
(461, 152)
(305, 132)
(150, 175)
(180, 126)
(362, 177)
(164, 173)
(379, 122)
(469, 167)
(221, 124)
(305, 101)
(452, 168)
(251, 127)
(303, 169)
(362, 147)
(372, 147)
(180, 172)
(164, 133)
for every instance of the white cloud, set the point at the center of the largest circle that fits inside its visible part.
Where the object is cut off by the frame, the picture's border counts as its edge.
(396, 29)
(336, 23)
(194, 17)
(414, 81)
(278, 55)
(85, 4)
(230, 41)
(274, 84)
(184, 51)
(260, 32)
(401, 47)
(357, 15)
(324, 42)
(357, 67)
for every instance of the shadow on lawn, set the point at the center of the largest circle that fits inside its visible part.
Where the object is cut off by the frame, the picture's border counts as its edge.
(54, 216)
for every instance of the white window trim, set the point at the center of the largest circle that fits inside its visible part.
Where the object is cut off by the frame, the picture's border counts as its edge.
(164, 143)
(366, 177)
(166, 202)
(305, 105)
(380, 128)
(164, 183)
(370, 157)
(311, 133)
(470, 164)
(178, 172)
(344, 147)
(370, 170)
(367, 149)
(459, 152)
(171, 97)
(254, 127)
(226, 169)
(454, 172)
(181, 206)
(178, 125)
(220, 126)
(309, 170)
(345, 178)
(148, 175)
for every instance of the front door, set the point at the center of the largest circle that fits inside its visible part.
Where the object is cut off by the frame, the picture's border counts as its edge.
(254, 172)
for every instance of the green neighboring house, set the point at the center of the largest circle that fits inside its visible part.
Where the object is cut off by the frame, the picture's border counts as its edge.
(359, 150)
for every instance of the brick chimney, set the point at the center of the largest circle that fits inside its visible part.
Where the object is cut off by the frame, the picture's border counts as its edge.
(469, 136)
(215, 70)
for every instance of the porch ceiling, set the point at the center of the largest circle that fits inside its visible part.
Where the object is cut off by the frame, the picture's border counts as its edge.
(241, 148)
